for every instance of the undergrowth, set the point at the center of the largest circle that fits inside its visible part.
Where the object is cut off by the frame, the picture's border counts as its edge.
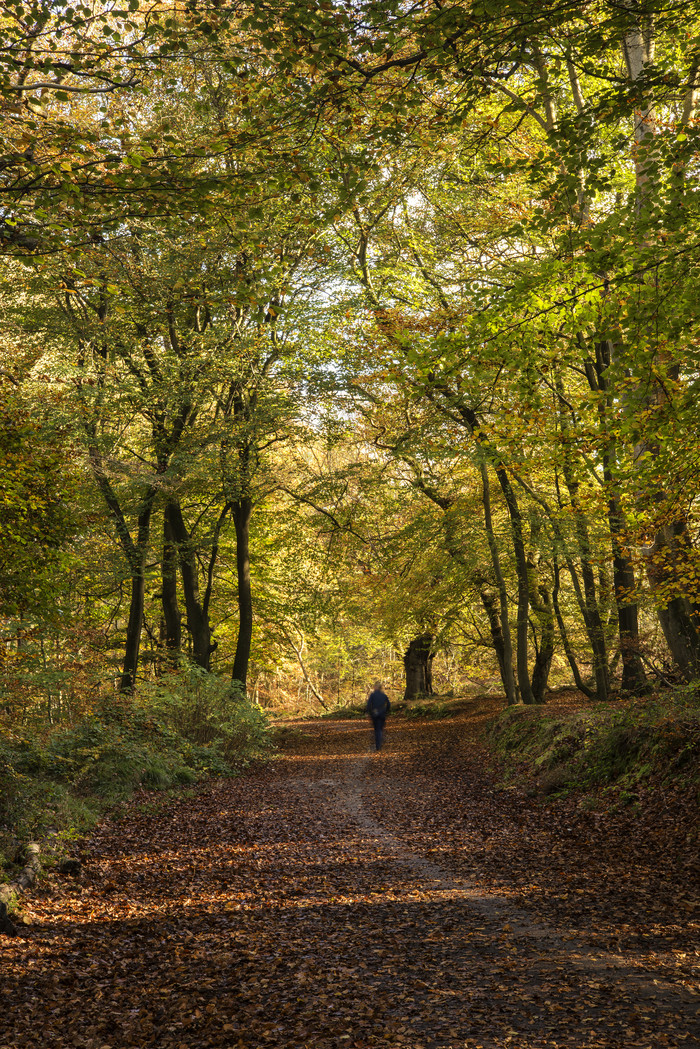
(435, 707)
(55, 781)
(619, 745)
(422, 707)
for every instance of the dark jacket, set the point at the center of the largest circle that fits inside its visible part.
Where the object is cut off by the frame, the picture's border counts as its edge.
(378, 704)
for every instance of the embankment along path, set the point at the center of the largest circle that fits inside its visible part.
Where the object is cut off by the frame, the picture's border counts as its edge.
(340, 898)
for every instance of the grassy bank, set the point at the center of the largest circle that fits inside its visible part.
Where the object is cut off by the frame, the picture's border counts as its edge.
(618, 747)
(56, 781)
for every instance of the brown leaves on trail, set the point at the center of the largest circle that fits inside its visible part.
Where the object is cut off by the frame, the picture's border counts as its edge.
(343, 898)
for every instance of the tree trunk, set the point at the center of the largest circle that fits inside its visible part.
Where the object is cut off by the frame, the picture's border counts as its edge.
(516, 525)
(138, 590)
(542, 607)
(242, 511)
(633, 674)
(132, 646)
(590, 608)
(634, 677)
(565, 637)
(678, 617)
(488, 600)
(135, 554)
(307, 677)
(505, 643)
(198, 624)
(418, 665)
(172, 617)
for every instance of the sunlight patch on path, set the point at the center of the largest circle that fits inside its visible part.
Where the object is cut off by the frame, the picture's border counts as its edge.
(495, 912)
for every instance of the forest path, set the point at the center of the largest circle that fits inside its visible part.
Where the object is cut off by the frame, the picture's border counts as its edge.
(339, 897)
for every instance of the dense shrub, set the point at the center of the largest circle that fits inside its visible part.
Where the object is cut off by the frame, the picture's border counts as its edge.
(208, 710)
(55, 781)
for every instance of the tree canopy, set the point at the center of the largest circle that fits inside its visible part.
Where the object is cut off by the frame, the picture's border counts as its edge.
(344, 339)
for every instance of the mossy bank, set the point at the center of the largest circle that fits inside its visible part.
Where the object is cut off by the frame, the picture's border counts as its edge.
(617, 747)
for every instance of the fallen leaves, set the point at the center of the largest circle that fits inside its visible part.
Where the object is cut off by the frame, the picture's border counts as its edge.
(334, 899)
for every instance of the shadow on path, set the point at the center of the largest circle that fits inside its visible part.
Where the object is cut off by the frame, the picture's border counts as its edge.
(303, 906)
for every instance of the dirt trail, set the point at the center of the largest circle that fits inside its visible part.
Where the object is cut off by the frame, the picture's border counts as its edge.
(343, 898)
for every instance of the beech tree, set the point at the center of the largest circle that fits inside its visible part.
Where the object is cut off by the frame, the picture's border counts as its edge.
(588, 80)
(465, 236)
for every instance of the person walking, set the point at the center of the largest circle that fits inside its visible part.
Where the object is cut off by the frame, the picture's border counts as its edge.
(378, 706)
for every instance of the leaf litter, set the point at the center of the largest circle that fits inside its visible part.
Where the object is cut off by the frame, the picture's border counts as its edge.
(338, 897)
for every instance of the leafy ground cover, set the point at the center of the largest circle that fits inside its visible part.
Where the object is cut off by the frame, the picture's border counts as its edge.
(623, 747)
(56, 781)
(338, 897)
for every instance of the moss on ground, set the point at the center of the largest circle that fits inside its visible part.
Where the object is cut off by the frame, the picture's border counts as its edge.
(620, 745)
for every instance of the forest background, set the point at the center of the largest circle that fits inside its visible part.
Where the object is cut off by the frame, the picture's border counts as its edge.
(340, 341)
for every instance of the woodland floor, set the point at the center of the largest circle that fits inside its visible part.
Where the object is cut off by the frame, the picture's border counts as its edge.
(338, 897)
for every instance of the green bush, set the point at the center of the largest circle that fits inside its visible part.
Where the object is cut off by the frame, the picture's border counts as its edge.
(11, 785)
(209, 711)
(188, 724)
(427, 709)
(32, 803)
